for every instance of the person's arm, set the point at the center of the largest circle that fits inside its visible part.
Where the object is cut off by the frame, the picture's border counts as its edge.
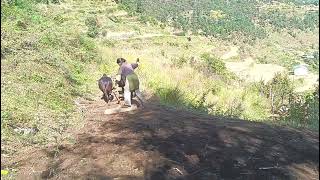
(120, 70)
(134, 65)
(119, 76)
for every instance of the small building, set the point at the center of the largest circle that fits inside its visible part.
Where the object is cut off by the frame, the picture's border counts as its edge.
(300, 70)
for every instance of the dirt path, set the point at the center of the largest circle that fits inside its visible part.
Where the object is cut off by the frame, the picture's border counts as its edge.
(159, 143)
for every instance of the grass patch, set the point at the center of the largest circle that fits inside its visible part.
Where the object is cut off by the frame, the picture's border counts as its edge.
(45, 69)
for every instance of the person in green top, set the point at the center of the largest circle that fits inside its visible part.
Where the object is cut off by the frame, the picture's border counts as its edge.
(130, 79)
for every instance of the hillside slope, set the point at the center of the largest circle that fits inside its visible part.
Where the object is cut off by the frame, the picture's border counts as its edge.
(52, 54)
(158, 143)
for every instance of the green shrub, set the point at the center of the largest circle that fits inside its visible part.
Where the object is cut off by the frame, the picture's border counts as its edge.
(170, 95)
(87, 43)
(92, 25)
(303, 110)
(313, 62)
(295, 109)
(180, 61)
(89, 49)
(93, 32)
(278, 90)
(215, 64)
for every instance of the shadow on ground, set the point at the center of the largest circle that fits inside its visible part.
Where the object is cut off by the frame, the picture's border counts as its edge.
(159, 143)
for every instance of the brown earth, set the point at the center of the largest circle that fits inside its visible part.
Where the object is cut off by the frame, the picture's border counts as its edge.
(159, 143)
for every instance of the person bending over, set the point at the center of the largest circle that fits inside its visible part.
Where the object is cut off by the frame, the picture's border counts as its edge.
(130, 79)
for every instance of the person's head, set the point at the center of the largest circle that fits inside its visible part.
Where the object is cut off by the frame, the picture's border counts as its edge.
(120, 61)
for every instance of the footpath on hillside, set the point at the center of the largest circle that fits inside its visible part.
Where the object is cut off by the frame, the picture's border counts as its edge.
(160, 143)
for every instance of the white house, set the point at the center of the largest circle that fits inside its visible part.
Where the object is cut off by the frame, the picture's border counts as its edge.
(300, 70)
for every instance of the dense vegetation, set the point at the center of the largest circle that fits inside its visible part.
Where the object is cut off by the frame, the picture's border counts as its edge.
(301, 2)
(298, 109)
(280, 20)
(221, 18)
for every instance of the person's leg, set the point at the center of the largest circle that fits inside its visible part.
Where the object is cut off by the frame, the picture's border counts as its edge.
(127, 94)
(139, 96)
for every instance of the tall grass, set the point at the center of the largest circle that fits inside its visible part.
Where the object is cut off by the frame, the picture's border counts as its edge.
(190, 87)
(45, 66)
(194, 88)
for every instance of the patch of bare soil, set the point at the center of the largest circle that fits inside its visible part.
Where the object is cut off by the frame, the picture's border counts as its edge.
(252, 72)
(159, 143)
